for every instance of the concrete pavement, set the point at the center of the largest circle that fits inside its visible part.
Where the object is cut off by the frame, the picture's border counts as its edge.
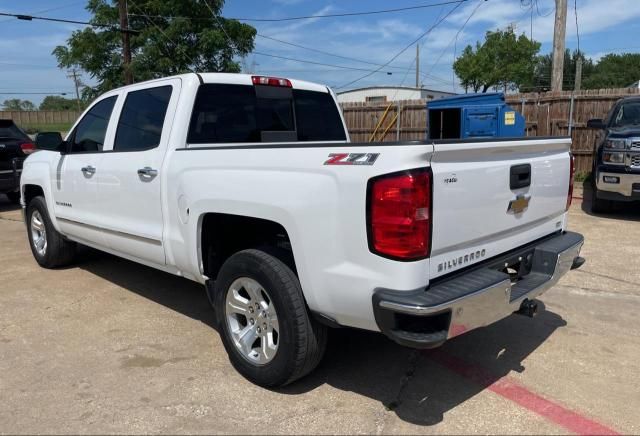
(109, 346)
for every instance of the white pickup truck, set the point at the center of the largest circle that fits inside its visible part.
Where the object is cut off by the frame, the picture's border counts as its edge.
(250, 186)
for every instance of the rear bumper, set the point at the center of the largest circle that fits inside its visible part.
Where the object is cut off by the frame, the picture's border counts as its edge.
(426, 318)
(10, 178)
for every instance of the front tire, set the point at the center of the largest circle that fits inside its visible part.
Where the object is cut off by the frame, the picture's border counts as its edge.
(48, 246)
(599, 205)
(263, 320)
(14, 197)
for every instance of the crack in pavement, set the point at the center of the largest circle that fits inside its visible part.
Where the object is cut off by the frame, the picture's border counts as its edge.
(598, 292)
(408, 375)
(607, 277)
(10, 219)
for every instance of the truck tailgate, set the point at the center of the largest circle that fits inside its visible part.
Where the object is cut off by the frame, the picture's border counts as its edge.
(483, 204)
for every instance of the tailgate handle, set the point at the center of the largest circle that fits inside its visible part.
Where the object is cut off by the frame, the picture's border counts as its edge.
(520, 176)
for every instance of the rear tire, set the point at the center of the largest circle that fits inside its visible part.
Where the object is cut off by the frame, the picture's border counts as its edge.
(252, 276)
(48, 246)
(14, 197)
(599, 205)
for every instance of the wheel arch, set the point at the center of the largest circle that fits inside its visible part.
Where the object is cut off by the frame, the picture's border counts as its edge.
(220, 235)
(30, 191)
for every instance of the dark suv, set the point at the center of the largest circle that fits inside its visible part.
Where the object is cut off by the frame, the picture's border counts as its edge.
(15, 145)
(616, 167)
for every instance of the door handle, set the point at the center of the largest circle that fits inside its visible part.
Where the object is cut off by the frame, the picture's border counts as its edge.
(147, 172)
(88, 170)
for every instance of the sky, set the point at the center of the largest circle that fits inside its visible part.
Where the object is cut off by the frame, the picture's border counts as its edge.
(353, 45)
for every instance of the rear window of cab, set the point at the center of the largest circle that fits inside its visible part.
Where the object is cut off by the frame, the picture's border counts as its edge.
(225, 113)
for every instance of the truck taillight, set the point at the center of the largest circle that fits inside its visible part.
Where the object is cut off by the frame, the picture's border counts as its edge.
(27, 147)
(271, 81)
(399, 215)
(571, 175)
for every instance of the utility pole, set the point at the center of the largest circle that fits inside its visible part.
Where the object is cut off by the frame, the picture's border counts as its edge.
(578, 83)
(75, 76)
(559, 32)
(126, 48)
(417, 65)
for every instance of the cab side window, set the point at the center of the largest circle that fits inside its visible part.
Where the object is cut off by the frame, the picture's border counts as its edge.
(142, 118)
(91, 130)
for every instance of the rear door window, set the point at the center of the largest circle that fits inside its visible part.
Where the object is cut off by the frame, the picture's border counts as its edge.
(241, 113)
(317, 117)
(142, 118)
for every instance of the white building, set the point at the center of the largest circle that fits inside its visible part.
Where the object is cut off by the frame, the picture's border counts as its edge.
(381, 94)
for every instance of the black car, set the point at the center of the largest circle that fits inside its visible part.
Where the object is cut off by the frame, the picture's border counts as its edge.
(616, 167)
(15, 146)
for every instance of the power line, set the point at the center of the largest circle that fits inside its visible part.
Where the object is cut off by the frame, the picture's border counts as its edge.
(422, 35)
(214, 17)
(322, 52)
(48, 10)
(162, 32)
(35, 93)
(342, 57)
(26, 17)
(306, 17)
(457, 34)
(538, 10)
(415, 61)
(28, 65)
(343, 67)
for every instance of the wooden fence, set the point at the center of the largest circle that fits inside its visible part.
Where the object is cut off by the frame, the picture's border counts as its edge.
(39, 118)
(362, 118)
(546, 114)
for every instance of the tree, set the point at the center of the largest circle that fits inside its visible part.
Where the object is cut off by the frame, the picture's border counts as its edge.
(173, 37)
(541, 80)
(57, 103)
(503, 60)
(15, 104)
(614, 71)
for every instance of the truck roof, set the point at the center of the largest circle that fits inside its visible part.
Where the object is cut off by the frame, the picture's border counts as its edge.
(236, 79)
(245, 79)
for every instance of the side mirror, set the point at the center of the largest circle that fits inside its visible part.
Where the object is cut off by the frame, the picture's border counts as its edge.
(596, 123)
(49, 141)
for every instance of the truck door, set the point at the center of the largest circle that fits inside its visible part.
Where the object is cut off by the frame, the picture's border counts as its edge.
(129, 194)
(75, 180)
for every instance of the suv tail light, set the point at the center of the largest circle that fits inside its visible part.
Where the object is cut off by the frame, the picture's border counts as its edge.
(571, 174)
(27, 147)
(271, 81)
(399, 215)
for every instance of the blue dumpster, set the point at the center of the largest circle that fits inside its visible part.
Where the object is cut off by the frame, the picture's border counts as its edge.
(473, 116)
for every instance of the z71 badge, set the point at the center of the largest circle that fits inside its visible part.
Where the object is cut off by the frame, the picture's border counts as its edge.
(352, 158)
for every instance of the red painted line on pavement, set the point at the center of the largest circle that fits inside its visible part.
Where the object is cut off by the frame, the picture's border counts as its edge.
(512, 390)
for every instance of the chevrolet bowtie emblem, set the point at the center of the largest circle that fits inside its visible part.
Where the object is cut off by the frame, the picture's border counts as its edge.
(519, 205)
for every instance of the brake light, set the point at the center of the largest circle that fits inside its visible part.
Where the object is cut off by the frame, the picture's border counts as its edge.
(271, 81)
(571, 174)
(27, 147)
(399, 220)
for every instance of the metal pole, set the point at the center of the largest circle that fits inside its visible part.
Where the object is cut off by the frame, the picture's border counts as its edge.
(571, 115)
(575, 89)
(417, 65)
(559, 32)
(399, 108)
